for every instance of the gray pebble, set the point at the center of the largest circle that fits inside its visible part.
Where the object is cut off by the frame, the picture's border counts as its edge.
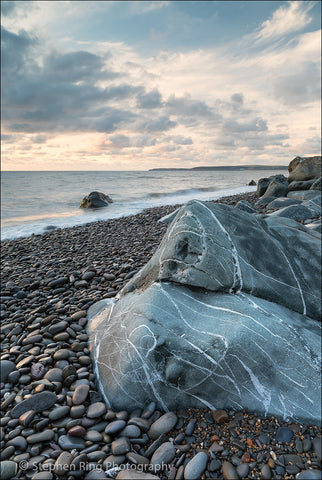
(197, 465)
(8, 469)
(115, 427)
(59, 412)
(80, 394)
(44, 436)
(163, 455)
(67, 442)
(62, 463)
(163, 425)
(96, 410)
(38, 402)
(120, 446)
(229, 471)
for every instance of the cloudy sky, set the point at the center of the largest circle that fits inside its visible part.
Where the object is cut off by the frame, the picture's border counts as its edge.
(131, 85)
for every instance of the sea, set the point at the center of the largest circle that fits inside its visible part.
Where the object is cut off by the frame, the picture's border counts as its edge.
(35, 202)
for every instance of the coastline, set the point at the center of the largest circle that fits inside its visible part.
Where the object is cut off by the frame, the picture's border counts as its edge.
(49, 281)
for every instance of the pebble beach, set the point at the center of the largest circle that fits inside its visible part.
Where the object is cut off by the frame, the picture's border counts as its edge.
(54, 422)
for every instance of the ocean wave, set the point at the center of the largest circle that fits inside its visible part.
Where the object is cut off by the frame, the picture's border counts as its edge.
(184, 191)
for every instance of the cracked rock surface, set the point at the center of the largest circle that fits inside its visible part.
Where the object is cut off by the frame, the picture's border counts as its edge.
(224, 315)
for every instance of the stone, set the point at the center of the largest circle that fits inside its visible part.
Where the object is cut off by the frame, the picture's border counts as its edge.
(163, 456)
(229, 471)
(8, 469)
(251, 307)
(309, 475)
(317, 185)
(6, 367)
(263, 183)
(133, 475)
(283, 202)
(163, 425)
(115, 427)
(284, 435)
(120, 446)
(37, 371)
(62, 464)
(37, 402)
(68, 442)
(252, 183)
(317, 446)
(304, 185)
(43, 475)
(96, 200)
(304, 168)
(276, 189)
(305, 195)
(96, 410)
(196, 466)
(266, 472)
(220, 416)
(59, 412)
(295, 212)
(40, 437)
(80, 394)
(242, 470)
(246, 206)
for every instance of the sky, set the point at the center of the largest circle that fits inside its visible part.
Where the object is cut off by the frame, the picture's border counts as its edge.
(131, 85)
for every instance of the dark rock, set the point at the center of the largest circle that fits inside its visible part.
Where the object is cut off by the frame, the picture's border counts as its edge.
(246, 206)
(276, 189)
(80, 394)
(251, 183)
(37, 402)
(163, 425)
(220, 416)
(96, 200)
(263, 183)
(6, 367)
(163, 455)
(283, 202)
(229, 471)
(67, 442)
(317, 446)
(115, 427)
(8, 469)
(284, 435)
(317, 185)
(305, 185)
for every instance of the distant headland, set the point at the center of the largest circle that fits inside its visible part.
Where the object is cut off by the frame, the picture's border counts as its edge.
(228, 167)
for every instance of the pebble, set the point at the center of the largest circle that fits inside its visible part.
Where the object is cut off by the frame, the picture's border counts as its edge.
(96, 410)
(115, 427)
(266, 472)
(197, 465)
(68, 442)
(132, 475)
(59, 412)
(317, 447)
(149, 410)
(120, 446)
(38, 402)
(37, 371)
(163, 425)
(309, 475)
(44, 436)
(43, 475)
(284, 435)
(220, 416)
(243, 470)
(163, 455)
(80, 394)
(6, 367)
(62, 463)
(229, 471)
(8, 469)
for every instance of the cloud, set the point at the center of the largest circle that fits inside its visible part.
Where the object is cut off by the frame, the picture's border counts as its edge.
(159, 124)
(254, 125)
(298, 87)
(151, 99)
(179, 140)
(142, 7)
(286, 19)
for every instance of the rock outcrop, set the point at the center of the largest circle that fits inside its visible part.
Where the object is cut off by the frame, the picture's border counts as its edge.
(224, 315)
(96, 200)
(304, 168)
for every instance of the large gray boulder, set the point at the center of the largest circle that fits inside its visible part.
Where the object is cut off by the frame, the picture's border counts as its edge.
(223, 249)
(186, 348)
(305, 194)
(276, 189)
(219, 317)
(96, 200)
(263, 183)
(304, 185)
(304, 168)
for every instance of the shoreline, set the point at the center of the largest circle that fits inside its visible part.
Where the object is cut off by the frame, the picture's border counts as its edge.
(48, 282)
(169, 208)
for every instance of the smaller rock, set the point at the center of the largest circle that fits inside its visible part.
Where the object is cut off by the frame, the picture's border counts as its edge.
(220, 416)
(163, 425)
(197, 465)
(8, 469)
(80, 394)
(120, 446)
(229, 471)
(284, 435)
